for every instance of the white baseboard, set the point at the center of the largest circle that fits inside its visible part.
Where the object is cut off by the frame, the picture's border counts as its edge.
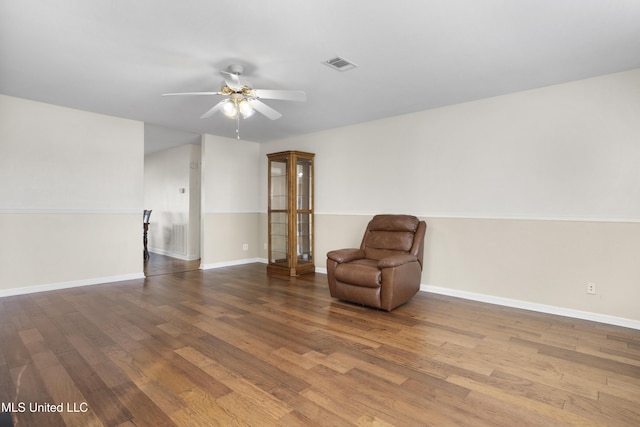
(526, 305)
(66, 285)
(232, 263)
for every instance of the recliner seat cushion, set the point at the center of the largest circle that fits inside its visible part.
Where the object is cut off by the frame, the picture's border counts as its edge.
(362, 272)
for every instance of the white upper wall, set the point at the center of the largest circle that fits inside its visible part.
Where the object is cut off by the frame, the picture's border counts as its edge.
(56, 158)
(231, 175)
(561, 152)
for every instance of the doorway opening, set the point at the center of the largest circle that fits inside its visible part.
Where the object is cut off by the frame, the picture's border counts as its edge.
(172, 192)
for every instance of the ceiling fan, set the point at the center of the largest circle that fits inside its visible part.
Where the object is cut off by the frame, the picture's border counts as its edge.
(242, 99)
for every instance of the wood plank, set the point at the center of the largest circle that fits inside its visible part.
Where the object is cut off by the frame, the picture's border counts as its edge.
(30, 388)
(204, 410)
(509, 407)
(143, 409)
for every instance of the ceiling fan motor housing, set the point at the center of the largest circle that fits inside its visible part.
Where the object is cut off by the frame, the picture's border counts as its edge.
(236, 69)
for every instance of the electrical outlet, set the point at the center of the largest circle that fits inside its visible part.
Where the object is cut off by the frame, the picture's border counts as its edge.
(245, 246)
(265, 246)
(591, 288)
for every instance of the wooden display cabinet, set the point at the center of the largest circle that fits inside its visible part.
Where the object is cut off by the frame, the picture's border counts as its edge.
(290, 213)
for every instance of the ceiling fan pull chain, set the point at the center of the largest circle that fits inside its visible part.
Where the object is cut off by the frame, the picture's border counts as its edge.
(238, 127)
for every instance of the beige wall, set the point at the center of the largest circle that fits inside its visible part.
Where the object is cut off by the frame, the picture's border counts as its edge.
(225, 235)
(52, 250)
(70, 199)
(543, 262)
(528, 196)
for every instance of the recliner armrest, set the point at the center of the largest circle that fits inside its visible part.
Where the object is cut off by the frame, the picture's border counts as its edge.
(396, 260)
(345, 255)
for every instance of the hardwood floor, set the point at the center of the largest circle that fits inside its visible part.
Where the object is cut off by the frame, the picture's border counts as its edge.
(161, 264)
(234, 346)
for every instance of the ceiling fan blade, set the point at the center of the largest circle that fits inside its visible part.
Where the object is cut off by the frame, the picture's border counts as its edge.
(287, 95)
(193, 93)
(265, 109)
(213, 110)
(232, 80)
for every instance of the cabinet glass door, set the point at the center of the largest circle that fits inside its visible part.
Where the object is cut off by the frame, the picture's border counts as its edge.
(278, 212)
(279, 191)
(304, 204)
(279, 227)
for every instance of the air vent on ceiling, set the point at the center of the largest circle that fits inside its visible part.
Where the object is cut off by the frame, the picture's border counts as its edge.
(339, 64)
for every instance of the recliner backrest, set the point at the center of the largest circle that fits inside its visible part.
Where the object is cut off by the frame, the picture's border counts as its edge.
(388, 235)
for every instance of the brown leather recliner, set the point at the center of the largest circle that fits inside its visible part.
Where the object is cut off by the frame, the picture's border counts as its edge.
(386, 271)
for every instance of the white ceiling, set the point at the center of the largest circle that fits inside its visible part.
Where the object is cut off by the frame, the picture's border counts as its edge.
(117, 57)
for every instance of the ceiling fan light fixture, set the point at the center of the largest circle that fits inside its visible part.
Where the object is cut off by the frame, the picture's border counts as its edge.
(246, 108)
(230, 108)
(243, 100)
